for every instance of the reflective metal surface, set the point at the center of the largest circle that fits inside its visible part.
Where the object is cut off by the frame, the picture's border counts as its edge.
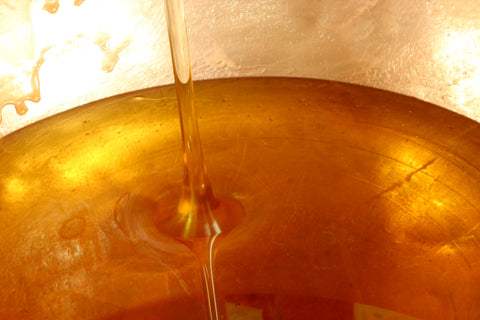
(427, 49)
(351, 194)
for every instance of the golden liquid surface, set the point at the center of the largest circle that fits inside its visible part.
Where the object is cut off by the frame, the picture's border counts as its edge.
(352, 197)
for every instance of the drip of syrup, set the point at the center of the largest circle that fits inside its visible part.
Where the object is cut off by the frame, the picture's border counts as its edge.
(51, 6)
(200, 219)
(200, 214)
(17, 99)
(34, 96)
(111, 53)
(13, 95)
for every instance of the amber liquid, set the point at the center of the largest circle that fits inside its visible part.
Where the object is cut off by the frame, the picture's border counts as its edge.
(317, 236)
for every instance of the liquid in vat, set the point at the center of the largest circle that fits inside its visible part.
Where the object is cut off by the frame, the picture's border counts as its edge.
(279, 300)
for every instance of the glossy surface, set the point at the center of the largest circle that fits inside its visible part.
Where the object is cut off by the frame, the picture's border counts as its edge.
(351, 194)
(426, 49)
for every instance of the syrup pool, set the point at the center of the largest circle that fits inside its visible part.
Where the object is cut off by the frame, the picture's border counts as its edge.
(371, 224)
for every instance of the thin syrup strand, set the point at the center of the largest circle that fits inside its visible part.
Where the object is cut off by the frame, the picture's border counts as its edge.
(194, 218)
(197, 197)
(211, 283)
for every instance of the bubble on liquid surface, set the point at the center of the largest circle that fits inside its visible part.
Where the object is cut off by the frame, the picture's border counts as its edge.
(72, 228)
